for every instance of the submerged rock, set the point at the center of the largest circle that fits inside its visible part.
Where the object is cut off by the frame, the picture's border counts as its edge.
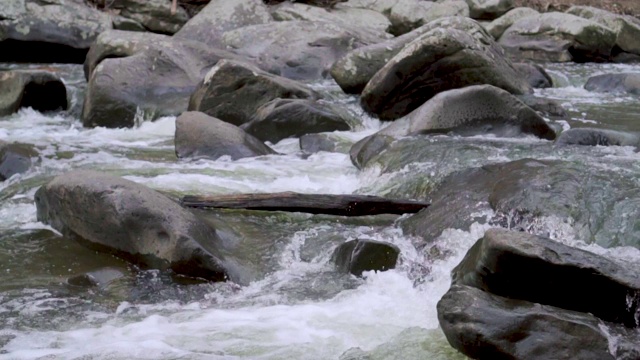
(597, 137)
(283, 118)
(118, 216)
(37, 89)
(357, 256)
(233, 91)
(313, 143)
(456, 53)
(615, 83)
(201, 136)
(15, 159)
(98, 278)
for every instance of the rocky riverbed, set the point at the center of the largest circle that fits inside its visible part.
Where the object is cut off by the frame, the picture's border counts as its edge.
(519, 127)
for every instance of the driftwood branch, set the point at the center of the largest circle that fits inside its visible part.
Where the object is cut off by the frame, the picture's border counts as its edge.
(343, 205)
(174, 7)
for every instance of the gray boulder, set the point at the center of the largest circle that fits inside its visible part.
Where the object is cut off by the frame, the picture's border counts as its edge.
(313, 143)
(154, 15)
(615, 83)
(558, 37)
(126, 24)
(456, 53)
(498, 26)
(407, 15)
(364, 150)
(157, 81)
(201, 136)
(626, 28)
(283, 118)
(486, 326)
(220, 16)
(15, 159)
(488, 9)
(300, 50)
(134, 222)
(596, 137)
(547, 107)
(357, 256)
(535, 75)
(39, 89)
(233, 91)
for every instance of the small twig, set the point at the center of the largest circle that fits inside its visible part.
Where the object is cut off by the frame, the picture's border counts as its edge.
(174, 7)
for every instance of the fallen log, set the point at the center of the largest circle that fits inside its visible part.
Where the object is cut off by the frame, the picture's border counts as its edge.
(343, 205)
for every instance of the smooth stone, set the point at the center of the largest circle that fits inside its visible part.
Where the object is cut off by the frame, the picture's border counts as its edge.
(498, 26)
(596, 137)
(357, 256)
(15, 159)
(615, 83)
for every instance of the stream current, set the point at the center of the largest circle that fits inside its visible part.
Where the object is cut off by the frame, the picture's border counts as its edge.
(298, 307)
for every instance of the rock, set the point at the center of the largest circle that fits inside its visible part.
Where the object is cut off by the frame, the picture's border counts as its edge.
(626, 28)
(220, 16)
(456, 53)
(59, 32)
(407, 15)
(154, 15)
(357, 256)
(615, 83)
(15, 159)
(233, 91)
(517, 265)
(535, 75)
(626, 58)
(118, 216)
(157, 81)
(12, 9)
(596, 137)
(488, 9)
(558, 37)
(498, 26)
(201, 136)
(300, 50)
(125, 24)
(313, 143)
(473, 110)
(486, 326)
(99, 278)
(369, 147)
(547, 107)
(283, 118)
(38, 89)
(118, 44)
(347, 17)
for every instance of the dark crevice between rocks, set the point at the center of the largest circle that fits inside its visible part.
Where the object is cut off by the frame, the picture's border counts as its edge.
(582, 56)
(49, 96)
(40, 52)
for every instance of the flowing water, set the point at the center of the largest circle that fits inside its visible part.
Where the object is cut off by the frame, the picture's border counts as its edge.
(298, 307)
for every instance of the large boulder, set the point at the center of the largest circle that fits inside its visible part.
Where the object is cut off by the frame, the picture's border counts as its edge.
(407, 15)
(615, 83)
(535, 74)
(358, 256)
(35, 31)
(458, 52)
(473, 110)
(233, 91)
(299, 49)
(626, 28)
(488, 9)
(283, 118)
(38, 89)
(154, 15)
(201, 136)
(597, 137)
(157, 81)
(134, 222)
(558, 37)
(498, 26)
(220, 16)
(15, 159)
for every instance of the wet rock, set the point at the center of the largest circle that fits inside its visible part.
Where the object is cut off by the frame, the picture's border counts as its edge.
(99, 278)
(498, 26)
(283, 118)
(125, 24)
(535, 75)
(518, 265)
(301, 50)
(220, 16)
(547, 107)
(473, 110)
(558, 37)
(364, 150)
(626, 28)
(344, 16)
(357, 256)
(597, 137)
(486, 326)
(157, 81)
(626, 58)
(488, 9)
(407, 15)
(313, 143)
(37, 89)
(233, 91)
(201, 136)
(154, 15)
(456, 53)
(615, 83)
(15, 158)
(118, 216)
